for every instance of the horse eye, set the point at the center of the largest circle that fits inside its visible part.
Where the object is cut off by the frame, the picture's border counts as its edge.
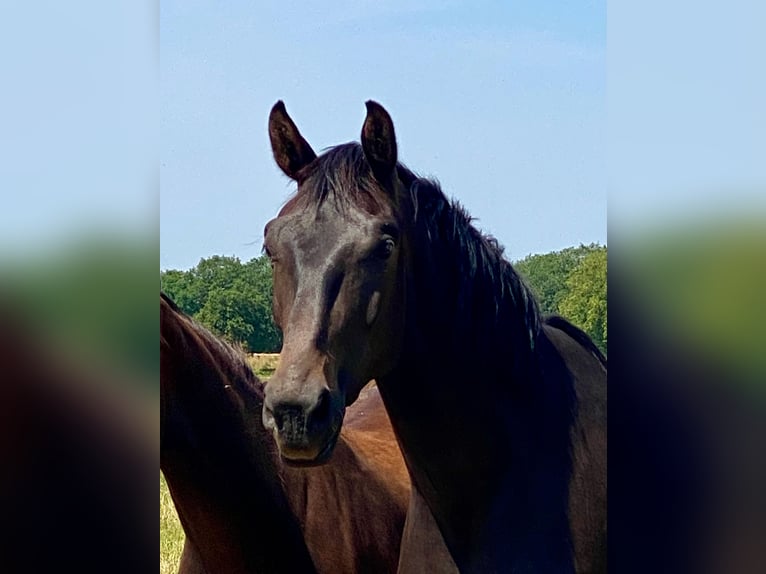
(386, 248)
(270, 255)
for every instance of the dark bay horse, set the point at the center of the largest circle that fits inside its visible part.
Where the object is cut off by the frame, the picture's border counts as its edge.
(500, 413)
(244, 511)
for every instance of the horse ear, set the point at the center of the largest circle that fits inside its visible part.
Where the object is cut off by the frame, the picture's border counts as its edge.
(291, 151)
(379, 141)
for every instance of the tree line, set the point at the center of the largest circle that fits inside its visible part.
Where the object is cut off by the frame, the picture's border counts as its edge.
(571, 283)
(233, 299)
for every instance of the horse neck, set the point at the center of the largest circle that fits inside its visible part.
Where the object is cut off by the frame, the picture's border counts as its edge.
(208, 394)
(468, 304)
(468, 351)
(468, 400)
(219, 461)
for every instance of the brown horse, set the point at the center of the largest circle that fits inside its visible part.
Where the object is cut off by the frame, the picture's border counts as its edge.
(241, 509)
(500, 413)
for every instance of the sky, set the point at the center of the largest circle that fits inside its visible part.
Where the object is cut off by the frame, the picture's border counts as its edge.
(79, 122)
(151, 117)
(503, 103)
(686, 113)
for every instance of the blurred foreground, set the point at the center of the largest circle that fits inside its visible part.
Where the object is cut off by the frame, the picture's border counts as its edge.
(687, 398)
(79, 417)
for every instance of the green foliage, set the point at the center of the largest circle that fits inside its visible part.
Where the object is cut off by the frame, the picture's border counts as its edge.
(180, 286)
(571, 283)
(227, 313)
(547, 273)
(230, 298)
(584, 302)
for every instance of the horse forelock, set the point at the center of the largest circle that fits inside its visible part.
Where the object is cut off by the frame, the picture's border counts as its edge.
(343, 177)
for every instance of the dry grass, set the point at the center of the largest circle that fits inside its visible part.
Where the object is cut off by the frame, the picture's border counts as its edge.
(171, 533)
(264, 364)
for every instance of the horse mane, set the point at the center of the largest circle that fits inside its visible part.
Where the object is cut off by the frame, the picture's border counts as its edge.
(558, 322)
(225, 354)
(479, 260)
(171, 303)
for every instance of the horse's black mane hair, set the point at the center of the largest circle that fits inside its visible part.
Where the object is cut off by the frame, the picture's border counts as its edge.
(479, 262)
(171, 303)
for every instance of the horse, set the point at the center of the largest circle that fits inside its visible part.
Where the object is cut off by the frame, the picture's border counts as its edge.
(241, 509)
(499, 411)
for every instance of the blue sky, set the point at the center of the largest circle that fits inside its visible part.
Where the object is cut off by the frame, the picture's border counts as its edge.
(686, 112)
(79, 121)
(504, 103)
(531, 114)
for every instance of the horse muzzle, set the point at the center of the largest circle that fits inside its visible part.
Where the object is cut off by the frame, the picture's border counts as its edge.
(306, 431)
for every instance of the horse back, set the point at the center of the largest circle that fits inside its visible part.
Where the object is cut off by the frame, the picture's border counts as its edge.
(587, 490)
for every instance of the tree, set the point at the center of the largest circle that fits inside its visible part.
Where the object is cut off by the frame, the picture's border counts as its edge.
(230, 298)
(585, 300)
(227, 312)
(546, 274)
(266, 336)
(179, 286)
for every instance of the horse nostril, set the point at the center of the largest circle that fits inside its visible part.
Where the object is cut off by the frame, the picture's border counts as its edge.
(289, 419)
(321, 412)
(297, 420)
(278, 417)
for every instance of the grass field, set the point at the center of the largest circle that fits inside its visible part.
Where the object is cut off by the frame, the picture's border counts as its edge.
(171, 533)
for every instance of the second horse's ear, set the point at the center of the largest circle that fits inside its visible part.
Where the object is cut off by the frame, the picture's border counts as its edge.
(379, 141)
(291, 152)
